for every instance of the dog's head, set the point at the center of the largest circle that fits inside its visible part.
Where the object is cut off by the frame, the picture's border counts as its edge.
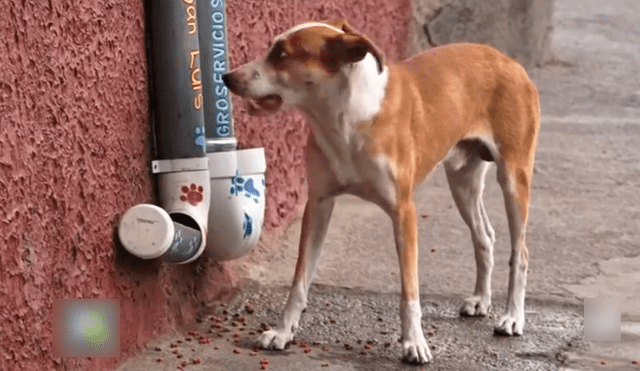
(299, 65)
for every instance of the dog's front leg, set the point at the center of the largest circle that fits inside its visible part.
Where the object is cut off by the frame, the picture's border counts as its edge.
(414, 345)
(314, 228)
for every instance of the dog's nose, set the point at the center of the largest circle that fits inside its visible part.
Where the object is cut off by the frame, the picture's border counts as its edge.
(226, 79)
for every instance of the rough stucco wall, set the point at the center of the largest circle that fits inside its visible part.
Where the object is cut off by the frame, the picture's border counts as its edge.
(252, 24)
(74, 156)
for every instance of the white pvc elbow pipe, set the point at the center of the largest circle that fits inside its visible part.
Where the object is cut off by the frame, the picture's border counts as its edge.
(236, 213)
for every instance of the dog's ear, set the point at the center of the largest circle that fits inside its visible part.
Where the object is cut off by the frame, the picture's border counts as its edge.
(352, 46)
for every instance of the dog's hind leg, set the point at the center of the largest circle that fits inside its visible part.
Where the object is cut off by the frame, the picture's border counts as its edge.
(515, 171)
(466, 173)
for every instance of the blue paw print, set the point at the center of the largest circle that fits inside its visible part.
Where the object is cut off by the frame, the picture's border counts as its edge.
(247, 225)
(251, 191)
(239, 185)
(200, 139)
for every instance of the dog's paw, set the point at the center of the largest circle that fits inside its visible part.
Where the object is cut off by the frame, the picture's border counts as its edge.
(416, 351)
(274, 339)
(475, 306)
(510, 325)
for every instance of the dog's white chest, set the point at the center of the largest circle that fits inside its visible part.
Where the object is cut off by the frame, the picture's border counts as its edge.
(371, 178)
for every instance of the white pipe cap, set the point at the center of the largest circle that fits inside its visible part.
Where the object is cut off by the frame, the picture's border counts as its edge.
(146, 231)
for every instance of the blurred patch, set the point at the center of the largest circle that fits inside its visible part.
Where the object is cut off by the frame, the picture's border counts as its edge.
(86, 328)
(602, 319)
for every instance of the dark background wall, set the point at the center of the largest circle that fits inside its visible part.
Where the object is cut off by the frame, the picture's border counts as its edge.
(519, 28)
(74, 156)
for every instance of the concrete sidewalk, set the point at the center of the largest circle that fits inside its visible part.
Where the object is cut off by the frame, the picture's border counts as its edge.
(582, 237)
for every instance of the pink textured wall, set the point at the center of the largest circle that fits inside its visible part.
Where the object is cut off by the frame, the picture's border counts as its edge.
(75, 151)
(252, 24)
(74, 155)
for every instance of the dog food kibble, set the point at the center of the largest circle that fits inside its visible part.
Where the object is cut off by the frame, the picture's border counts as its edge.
(303, 344)
(180, 367)
(253, 353)
(160, 359)
(425, 216)
(216, 347)
(433, 250)
(364, 352)
(635, 362)
(263, 367)
(157, 349)
(603, 362)
(184, 363)
(307, 350)
(249, 308)
(188, 338)
(175, 351)
(326, 348)
(367, 346)
(179, 356)
(387, 345)
(324, 365)
(264, 361)
(237, 351)
(197, 361)
(430, 333)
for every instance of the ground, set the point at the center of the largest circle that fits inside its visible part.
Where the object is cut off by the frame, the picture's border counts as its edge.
(582, 238)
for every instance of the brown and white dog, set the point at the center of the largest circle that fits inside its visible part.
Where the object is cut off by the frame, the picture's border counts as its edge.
(378, 130)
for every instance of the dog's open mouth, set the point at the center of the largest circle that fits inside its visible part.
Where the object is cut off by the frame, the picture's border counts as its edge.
(263, 106)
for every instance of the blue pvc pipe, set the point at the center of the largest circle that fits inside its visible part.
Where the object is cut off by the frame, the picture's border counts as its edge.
(218, 112)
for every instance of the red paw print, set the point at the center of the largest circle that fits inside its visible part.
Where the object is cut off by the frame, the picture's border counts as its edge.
(192, 194)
